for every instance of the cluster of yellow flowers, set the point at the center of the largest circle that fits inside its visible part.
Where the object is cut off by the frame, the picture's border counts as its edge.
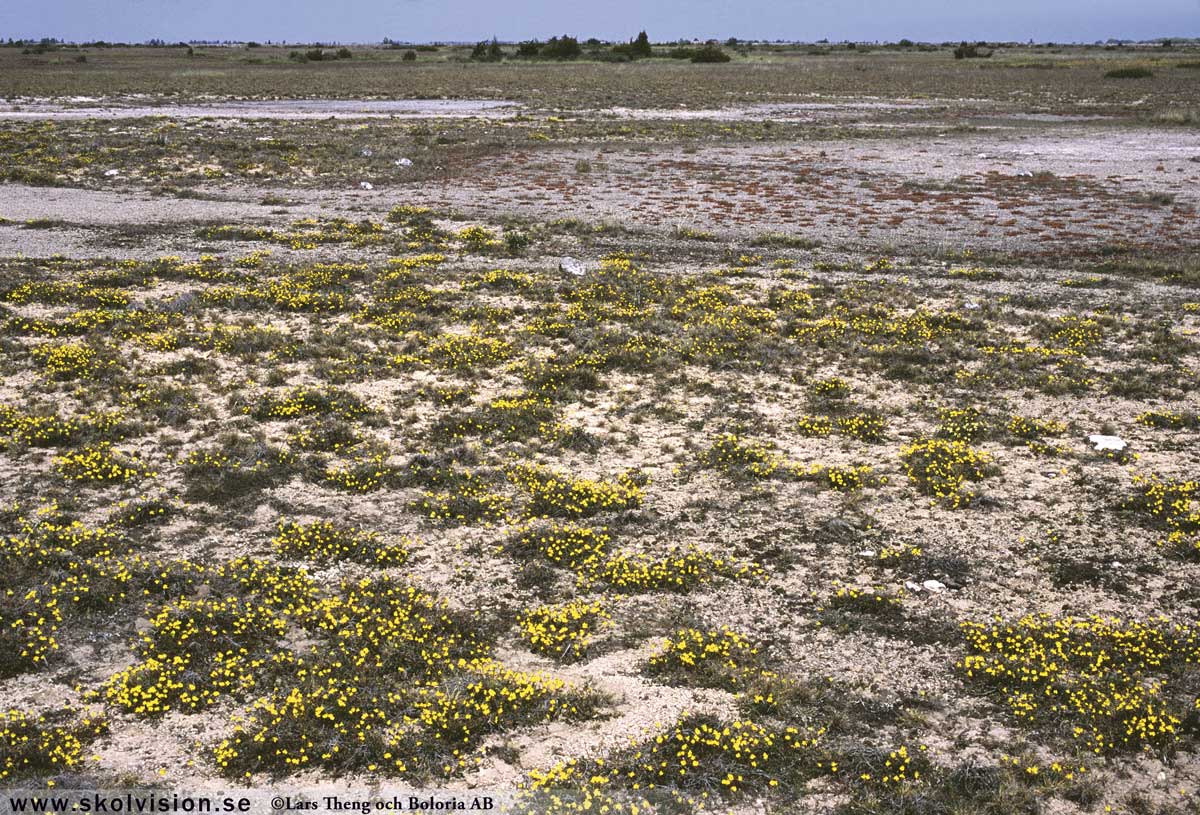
(580, 549)
(303, 401)
(502, 279)
(100, 463)
(1076, 333)
(679, 569)
(68, 360)
(941, 468)
(862, 426)
(831, 390)
(219, 470)
(716, 324)
(586, 552)
(327, 542)
(1175, 505)
(47, 744)
(814, 426)
(719, 659)
(698, 760)
(463, 351)
(478, 238)
(306, 233)
(875, 601)
(30, 628)
(343, 709)
(133, 325)
(897, 767)
(556, 495)
(466, 497)
(241, 340)
(564, 630)
(1112, 680)
(1026, 428)
(407, 213)
(734, 455)
(305, 290)
(50, 429)
(1169, 419)
(53, 292)
(197, 651)
(845, 479)
(515, 417)
(888, 328)
(830, 398)
(961, 424)
(898, 555)
(396, 308)
(363, 472)
(1032, 770)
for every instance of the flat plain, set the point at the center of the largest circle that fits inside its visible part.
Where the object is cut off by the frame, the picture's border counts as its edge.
(814, 432)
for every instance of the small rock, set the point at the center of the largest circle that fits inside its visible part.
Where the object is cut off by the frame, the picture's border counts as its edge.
(935, 586)
(911, 586)
(366, 185)
(403, 162)
(111, 173)
(367, 152)
(837, 526)
(1102, 443)
(572, 266)
(867, 553)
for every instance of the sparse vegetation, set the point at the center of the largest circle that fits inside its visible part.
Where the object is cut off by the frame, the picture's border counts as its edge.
(628, 446)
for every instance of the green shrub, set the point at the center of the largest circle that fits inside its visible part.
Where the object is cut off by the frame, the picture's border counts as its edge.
(1137, 72)
(710, 53)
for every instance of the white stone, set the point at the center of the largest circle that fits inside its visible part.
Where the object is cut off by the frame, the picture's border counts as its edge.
(572, 266)
(111, 173)
(1102, 442)
(366, 185)
(934, 586)
(403, 162)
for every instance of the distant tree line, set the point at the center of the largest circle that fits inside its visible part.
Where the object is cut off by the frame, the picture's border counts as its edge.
(566, 47)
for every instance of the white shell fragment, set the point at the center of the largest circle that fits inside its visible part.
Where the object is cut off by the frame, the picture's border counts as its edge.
(931, 586)
(366, 185)
(1103, 443)
(403, 162)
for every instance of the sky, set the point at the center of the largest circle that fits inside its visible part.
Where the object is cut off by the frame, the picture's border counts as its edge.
(471, 20)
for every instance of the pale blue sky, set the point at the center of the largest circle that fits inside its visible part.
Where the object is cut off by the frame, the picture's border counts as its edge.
(425, 20)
